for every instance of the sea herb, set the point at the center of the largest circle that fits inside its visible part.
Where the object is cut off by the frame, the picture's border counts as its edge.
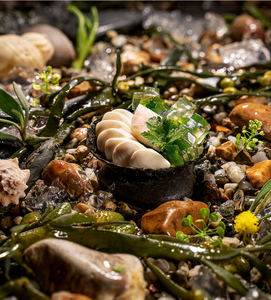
(162, 131)
(248, 141)
(202, 234)
(49, 80)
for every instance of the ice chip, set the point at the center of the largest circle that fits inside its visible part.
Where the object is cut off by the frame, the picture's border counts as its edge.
(244, 53)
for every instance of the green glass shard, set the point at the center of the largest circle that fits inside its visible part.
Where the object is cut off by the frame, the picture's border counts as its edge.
(156, 104)
(175, 155)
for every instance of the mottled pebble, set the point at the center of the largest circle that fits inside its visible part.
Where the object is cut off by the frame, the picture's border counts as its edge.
(227, 209)
(230, 186)
(259, 156)
(231, 242)
(259, 174)
(227, 151)
(195, 271)
(110, 205)
(62, 265)
(234, 172)
(214, 141)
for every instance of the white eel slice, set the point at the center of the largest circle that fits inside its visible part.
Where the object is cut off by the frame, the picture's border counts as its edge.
(125, 112)
(123, 152)
(148, 159)
(114, 115)
(111, 144)
(106, 124)
(112, 133)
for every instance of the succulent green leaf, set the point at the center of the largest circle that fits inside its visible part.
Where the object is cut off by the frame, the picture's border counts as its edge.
(204, 212)
(218, 243)
(181, 236)
(222, 225)
(186, 222)
(10, 123)
(22, 100)
(36, 86)
(214, 217)
(220, 231)
(20, 117)
(8, 103)
(4, 135)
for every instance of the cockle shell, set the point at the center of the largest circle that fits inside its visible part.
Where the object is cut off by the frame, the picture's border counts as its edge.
(18, 51)
(12, 181)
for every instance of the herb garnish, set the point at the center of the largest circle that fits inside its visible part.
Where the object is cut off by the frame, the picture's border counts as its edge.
(162, 131)
(248, 140)
(205, 232)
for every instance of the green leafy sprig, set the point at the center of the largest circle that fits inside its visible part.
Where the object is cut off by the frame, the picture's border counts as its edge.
(162, 131)
(86, 33)
(49, 79)
(202, 234)
(248, 141)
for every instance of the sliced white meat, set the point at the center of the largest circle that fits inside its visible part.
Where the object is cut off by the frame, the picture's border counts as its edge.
(111, 144)
(106, 124)
(123, 152)
(125, 112)
(148, 159)
(114, 115)
(112, 133)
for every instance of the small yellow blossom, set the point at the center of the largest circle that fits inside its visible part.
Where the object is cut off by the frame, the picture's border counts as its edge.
(246, 223)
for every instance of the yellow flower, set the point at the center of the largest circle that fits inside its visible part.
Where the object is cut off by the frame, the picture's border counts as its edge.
(246, 223)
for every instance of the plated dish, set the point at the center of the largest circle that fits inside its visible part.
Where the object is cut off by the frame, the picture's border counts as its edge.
(135, 160)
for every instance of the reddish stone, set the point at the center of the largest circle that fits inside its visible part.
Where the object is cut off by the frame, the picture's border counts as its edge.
(167, 218)
(224, 129)
(63, 175)
(259, 174)
(243, 113)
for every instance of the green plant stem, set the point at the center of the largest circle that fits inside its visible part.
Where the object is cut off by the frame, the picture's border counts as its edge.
(84, 42)
(169, 284)
(263, 203)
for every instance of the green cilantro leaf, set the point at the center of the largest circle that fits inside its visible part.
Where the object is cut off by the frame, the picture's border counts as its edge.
(162, 131)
